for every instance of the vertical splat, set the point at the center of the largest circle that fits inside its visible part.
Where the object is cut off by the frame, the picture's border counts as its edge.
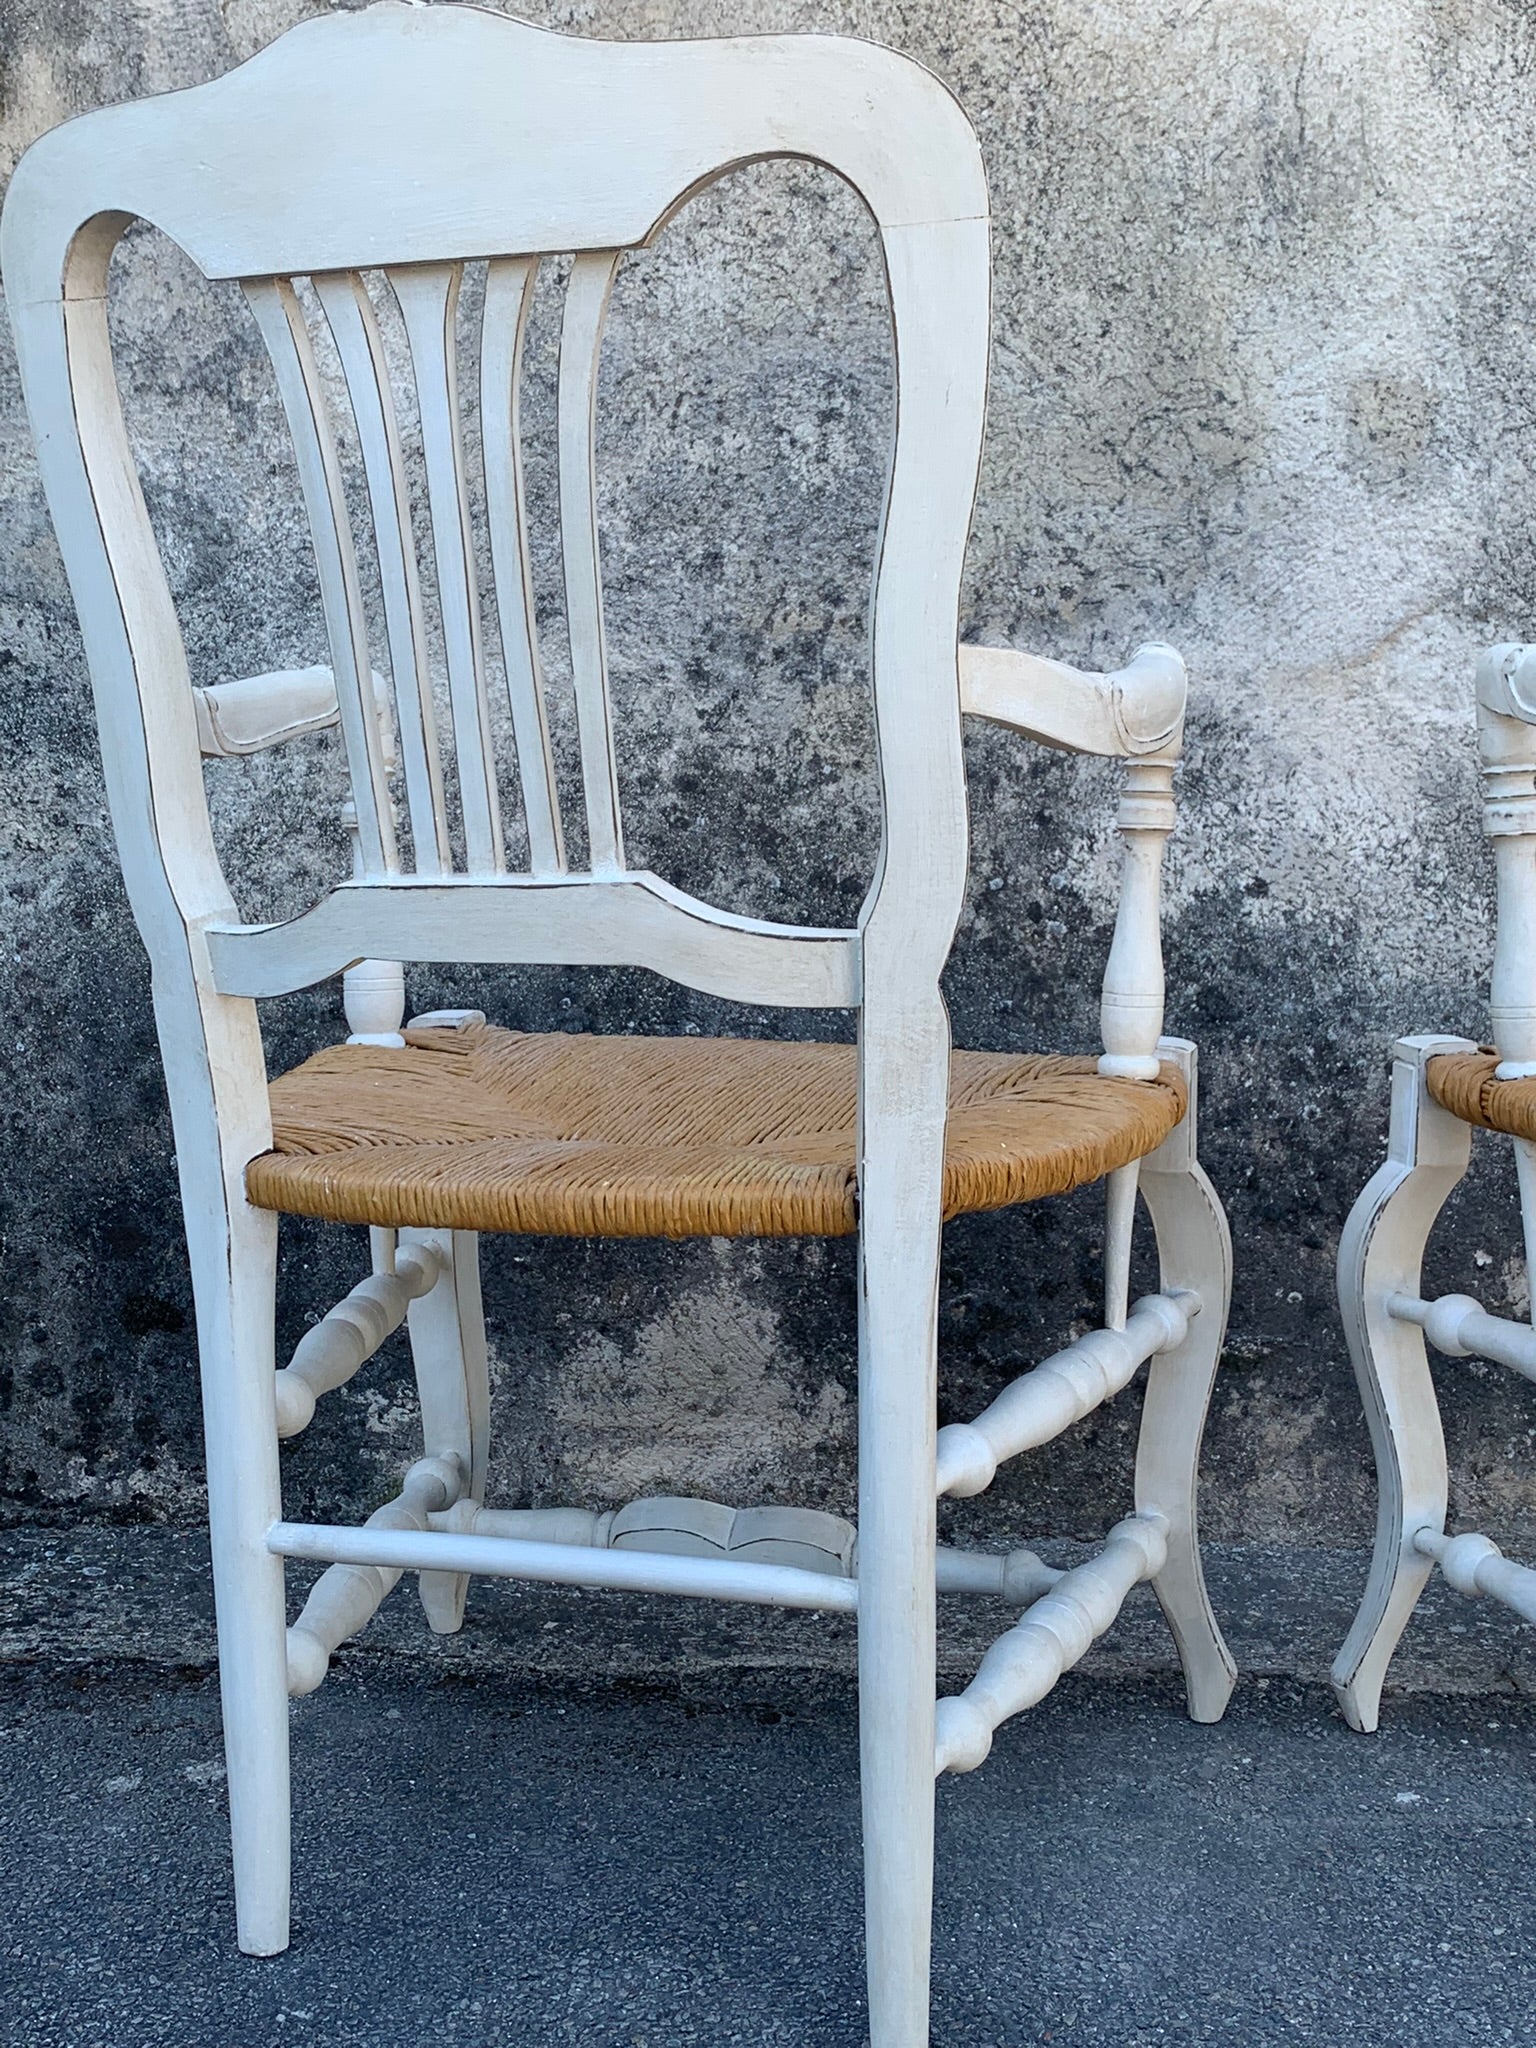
(428, 298)
(508, 297)
(281, 320)
(586, 304)
(354, 326)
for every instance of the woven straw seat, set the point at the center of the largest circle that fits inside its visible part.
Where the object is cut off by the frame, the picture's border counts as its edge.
(1463, 1083)
(477, 1128)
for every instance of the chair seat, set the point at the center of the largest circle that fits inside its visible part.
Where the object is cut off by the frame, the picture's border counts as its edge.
(477, 1128)
(1463, 1083)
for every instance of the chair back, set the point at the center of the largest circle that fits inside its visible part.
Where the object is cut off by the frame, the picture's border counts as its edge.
(369, 156)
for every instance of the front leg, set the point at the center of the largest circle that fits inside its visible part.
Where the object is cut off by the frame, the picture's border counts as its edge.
(1380, 1254)
(1194, 1252)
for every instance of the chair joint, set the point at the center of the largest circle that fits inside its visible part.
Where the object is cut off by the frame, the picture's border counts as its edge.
(1461, 1327)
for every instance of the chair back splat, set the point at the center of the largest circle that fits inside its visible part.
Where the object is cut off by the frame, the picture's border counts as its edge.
(366, 159)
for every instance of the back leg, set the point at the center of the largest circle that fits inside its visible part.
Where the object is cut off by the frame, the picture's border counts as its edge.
(1194, 1252)
(447, 1328)
(1380, 1254)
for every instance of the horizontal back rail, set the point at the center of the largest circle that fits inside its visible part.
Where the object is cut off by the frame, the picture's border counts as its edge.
(632, 920)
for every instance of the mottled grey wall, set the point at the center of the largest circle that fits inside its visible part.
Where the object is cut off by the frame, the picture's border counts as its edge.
(1260, 386)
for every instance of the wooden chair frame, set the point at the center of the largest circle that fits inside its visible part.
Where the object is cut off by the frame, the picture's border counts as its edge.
(410, 140)
(1386, 1317)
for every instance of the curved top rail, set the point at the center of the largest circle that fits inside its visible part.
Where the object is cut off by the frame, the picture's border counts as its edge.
(403, 134)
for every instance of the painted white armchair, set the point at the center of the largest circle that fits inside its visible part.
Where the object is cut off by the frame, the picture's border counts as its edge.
(374, 154)
(1443, 1088)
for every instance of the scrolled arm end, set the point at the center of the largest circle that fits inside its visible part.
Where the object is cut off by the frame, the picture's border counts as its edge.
(1132, 713)
(1150, 695)
(1506, 681)
(257, 712)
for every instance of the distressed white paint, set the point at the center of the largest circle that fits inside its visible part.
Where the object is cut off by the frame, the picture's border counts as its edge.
(257, 712)
(1194, 1256)
(509, 284)
(397, 1549)
(347, 1596)
(344, 1339)
(1460, 1326)
(353, 321)
(698, 1549)
(411, 140)
(633, 920)
(1135, 711)
(1474, 1564)
(801, 1537)
(448, 1351)
(1380, 1255)
(1506, 731)
(586, 307)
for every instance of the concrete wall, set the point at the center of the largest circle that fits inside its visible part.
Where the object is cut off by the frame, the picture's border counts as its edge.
(1260, 387)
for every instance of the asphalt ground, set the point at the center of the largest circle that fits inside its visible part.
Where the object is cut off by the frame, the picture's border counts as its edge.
(485, 1860)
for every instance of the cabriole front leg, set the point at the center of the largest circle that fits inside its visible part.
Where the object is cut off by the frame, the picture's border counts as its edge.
(1194, 1252)
(1380, 1255)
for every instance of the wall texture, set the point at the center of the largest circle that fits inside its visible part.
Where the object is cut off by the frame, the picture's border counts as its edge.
(1260, 387)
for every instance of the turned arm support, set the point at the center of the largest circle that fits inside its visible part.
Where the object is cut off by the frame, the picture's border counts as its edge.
(1135, 715)
(257, 712)
(1131, 1004)
(1506, 732)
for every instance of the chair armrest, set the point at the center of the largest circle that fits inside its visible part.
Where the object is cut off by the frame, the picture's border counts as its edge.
(1136, 715)
(262, 711)
(257, 712)
(1131, 714)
